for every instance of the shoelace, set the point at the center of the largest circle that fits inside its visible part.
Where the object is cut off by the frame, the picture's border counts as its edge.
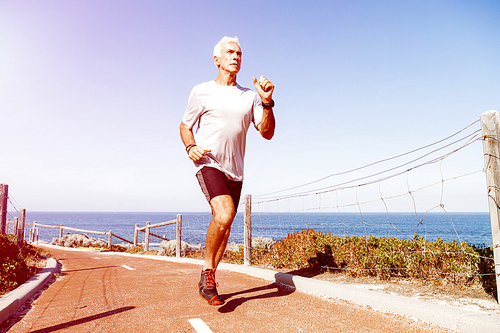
(210, 278)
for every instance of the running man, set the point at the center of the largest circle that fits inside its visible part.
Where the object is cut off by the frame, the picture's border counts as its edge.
(223, 111)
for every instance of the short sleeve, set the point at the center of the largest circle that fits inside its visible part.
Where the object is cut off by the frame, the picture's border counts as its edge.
(258, 111)
(193, 111)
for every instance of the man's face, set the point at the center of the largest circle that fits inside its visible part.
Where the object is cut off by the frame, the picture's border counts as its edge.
(230, 59)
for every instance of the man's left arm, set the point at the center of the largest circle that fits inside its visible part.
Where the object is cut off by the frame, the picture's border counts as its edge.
(265, 89)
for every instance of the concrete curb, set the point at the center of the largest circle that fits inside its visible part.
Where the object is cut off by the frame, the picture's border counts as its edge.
(446, 316)
(13, 301)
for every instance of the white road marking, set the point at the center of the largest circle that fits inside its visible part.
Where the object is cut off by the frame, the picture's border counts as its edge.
(199, 325)
(129, 268)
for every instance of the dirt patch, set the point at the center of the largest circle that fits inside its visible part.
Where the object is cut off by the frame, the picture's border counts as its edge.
(471, 298)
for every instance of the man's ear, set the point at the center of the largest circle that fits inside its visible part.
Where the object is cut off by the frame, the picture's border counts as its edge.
(216, 60)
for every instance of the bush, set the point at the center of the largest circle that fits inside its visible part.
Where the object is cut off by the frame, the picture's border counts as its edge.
(16, 266)
(384, 258)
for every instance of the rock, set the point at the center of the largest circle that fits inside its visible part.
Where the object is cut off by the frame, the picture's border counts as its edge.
(262, 242)
(79, 240)
(168, 248)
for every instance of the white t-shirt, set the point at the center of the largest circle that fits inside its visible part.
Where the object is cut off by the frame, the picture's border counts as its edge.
(223, 114)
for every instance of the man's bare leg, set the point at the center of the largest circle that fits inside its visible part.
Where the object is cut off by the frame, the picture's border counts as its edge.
(223, 213)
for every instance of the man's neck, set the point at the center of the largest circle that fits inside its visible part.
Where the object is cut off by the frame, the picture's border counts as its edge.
(226, 79)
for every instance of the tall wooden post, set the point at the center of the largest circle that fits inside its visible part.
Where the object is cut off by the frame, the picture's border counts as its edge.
(32, 232)
(178, 236)
(136, 234)
(4, 195)
(20, 228)
(14, 227)
(110, 236)
(490, 125)
(247, 230)
(146, 238)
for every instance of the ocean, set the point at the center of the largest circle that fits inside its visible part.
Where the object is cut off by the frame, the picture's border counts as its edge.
(473, 228)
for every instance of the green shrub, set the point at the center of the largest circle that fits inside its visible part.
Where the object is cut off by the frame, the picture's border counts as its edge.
(16, 266)
(385, 258)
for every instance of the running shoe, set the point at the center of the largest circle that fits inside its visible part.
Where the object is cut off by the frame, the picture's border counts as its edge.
(208, 287)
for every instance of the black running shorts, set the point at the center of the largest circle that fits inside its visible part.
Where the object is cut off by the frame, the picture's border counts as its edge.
(214, 182)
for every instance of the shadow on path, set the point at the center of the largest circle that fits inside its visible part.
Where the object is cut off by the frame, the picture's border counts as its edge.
(83, 320)
(87, 269)
(276, 290)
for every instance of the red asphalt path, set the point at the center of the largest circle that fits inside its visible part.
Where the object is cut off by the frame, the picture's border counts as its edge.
(107, 292)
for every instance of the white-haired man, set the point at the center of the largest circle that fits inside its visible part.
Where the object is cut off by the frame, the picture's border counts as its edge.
(223, 111)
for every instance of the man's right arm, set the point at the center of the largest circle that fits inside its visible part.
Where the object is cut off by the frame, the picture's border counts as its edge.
(195, 152)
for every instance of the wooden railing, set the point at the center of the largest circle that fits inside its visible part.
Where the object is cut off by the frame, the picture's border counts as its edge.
(33, 234)
(147, 231)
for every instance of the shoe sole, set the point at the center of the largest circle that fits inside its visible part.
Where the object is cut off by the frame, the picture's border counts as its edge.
(215, 301)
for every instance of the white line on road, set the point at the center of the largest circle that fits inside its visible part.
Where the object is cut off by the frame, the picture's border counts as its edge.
(199, 325)
(129, 268)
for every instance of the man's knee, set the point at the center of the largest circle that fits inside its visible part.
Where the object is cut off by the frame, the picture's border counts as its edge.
(224, 218)
(223, 210)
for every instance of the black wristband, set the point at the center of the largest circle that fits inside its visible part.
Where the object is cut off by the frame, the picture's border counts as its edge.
(188, 148)
(268, 106)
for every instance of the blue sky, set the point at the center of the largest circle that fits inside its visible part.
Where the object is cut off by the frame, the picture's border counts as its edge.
(92, 92)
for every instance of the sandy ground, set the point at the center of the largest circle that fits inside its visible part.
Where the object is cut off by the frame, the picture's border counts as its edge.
(473, 298)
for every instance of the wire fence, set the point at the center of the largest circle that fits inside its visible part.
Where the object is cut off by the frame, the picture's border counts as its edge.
(404, 197)
(409, 195)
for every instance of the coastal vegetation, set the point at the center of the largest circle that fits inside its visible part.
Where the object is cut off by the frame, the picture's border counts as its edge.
(17, 265)
(310, 253)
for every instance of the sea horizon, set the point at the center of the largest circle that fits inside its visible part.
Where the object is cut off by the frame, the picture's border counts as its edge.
(471, 227)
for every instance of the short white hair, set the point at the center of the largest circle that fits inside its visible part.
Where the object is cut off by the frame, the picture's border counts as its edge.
(224, 40)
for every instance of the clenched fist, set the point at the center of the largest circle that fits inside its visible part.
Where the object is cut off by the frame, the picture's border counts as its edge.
(265, 89)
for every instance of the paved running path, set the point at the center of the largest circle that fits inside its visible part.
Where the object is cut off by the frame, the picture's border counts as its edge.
(106, 292)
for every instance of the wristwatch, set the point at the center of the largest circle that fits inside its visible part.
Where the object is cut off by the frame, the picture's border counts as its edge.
(270, 105)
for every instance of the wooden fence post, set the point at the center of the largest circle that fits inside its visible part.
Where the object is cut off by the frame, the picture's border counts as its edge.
(178, 236)
(60, 230)
(247, 230)
(4, 195)
(136, 234)
(20, 228)
(146, 238)
(32, 232)
(14, 227)
(490, 125)
(109, 238)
